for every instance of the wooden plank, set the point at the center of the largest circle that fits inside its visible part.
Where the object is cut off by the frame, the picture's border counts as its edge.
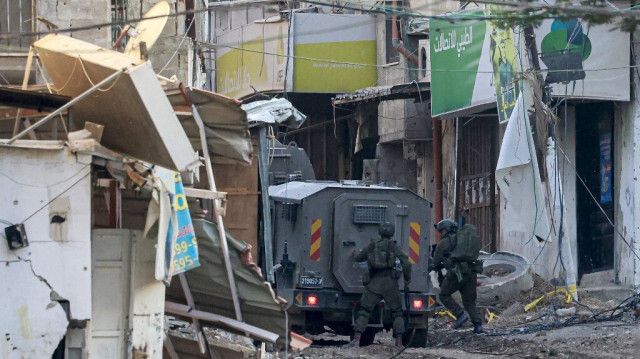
(187, 311)
(93, 147)
(9, 113)
(240, 182)
(202, 193)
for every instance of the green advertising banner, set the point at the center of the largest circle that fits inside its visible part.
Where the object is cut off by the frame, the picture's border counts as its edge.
(456, 50)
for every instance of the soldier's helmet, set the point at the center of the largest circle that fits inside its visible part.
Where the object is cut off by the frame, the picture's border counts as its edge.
(446, 224)
(386, 229)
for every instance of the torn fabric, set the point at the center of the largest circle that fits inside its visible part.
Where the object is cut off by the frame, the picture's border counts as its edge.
(559, 220)
(518, 176)
(160, 215)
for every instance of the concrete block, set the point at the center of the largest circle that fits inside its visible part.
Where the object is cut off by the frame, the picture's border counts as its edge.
(514, 277)
(598, 279)
(605, 293)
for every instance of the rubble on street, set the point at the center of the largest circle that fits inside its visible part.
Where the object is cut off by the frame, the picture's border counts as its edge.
(259, 179)
(598, 329)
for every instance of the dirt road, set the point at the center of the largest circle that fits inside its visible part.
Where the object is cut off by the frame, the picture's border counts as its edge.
(537, 334)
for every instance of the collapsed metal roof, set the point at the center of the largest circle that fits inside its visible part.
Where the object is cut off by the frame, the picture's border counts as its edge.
(416, 90)
(211, 293)
(133, 108)
(226, 124)
(275, 111)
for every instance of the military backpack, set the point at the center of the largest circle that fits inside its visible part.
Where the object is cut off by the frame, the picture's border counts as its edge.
(383, 255)
(467, 247)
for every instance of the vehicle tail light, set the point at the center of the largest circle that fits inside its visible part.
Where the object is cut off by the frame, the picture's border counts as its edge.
(417, 303)
(312, 300)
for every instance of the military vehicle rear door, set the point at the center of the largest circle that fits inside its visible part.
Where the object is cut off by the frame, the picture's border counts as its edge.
(356, 216)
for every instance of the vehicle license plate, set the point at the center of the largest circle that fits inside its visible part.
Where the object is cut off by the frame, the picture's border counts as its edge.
(310, 282)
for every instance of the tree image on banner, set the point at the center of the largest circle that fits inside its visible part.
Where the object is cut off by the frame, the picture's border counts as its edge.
(184, 254)
(564, 48)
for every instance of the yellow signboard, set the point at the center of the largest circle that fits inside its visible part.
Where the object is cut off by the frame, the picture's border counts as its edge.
(253, 55)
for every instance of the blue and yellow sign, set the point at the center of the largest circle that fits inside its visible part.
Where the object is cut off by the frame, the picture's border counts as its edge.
(184, 253)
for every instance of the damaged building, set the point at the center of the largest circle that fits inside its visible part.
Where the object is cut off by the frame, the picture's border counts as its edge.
(113, 224)
(434, 118)
(110, 124)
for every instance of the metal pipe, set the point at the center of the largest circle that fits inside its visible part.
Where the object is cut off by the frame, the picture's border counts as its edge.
(67, 105)
(456, 209)
(437, 171)
(216, 204)
(395, 40)
(263, 167)
(187, 311)
(315, 125)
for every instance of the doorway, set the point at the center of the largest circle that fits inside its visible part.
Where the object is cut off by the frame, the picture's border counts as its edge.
(476, 185)
(594, 165)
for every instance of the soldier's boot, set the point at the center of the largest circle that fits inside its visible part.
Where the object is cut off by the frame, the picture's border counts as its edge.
(461, 320)
(477, 328)
(399, 341)
(354, 343)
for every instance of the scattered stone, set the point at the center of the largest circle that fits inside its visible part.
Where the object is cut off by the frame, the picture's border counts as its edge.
(564, 312)
(513, 309)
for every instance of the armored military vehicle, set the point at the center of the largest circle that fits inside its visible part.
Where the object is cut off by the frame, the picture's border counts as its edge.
(317, 225)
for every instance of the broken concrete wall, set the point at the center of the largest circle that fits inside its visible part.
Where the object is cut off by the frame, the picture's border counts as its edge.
(393, 168)
(169, 55)
(50, 192)
(69, 14)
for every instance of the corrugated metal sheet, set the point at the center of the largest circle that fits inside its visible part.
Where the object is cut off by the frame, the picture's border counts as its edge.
(226, 123)
(210, 288)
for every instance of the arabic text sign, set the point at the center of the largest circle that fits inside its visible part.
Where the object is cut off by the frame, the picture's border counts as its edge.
(253, 55)
(449, 40)
(460, 66)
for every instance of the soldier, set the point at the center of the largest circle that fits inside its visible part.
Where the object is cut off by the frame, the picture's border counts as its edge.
(383, 283)
(461, 276)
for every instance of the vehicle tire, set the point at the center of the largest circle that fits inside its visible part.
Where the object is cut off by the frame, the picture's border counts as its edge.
(367, 337)
(417, 336)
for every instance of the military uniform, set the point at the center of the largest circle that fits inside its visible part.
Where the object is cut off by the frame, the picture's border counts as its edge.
(382, 285)
(459, 277)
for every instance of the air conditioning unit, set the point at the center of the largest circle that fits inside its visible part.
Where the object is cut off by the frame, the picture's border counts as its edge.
(424, 61)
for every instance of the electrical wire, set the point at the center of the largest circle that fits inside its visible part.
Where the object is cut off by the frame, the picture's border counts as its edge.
(56, 197)
(43, 186)
(178, 47)
(600, 207)
(475, 14)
